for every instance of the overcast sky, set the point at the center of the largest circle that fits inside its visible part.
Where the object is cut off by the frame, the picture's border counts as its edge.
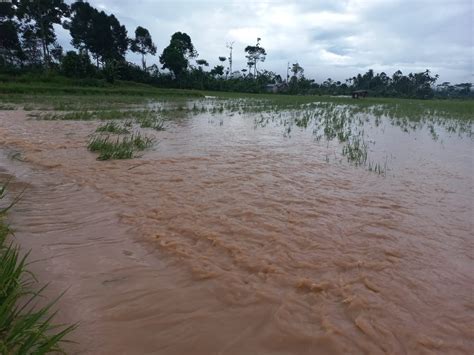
(328, 38)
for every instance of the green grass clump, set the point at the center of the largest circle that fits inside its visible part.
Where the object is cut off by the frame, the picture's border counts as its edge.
(159, 125)
(112, 127)
(355, 151)
(118, 147)
(151, 121)
(140, 142)
(25, 328)
(6, 107)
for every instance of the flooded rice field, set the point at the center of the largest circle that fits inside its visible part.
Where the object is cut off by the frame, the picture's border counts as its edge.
(247, 228)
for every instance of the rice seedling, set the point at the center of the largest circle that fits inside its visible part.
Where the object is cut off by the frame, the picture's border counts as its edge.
(109, 149)
(433, 132)
(355, 150)
(304, 120)
(6, 107)
(25, 327)
(28, 107)
(159, 125)
(112, 127)
(151, 121)
(140, 142)
(118, 147)
(378, 168)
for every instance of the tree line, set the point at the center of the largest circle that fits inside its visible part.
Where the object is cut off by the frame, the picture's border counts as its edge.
(28, 43)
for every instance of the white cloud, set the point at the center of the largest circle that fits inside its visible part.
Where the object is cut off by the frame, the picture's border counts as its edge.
(334, 39)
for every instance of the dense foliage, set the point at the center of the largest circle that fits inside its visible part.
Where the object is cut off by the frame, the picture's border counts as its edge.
(28, 44)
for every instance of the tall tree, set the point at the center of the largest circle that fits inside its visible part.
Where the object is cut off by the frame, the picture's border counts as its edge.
(41, 15)
(297, 70)
(31, 46)
(119, 45)
(10, 46)
(176, 56)
(98, 44)
(413, 85)
(217, 70)
(80, 26)
(143, 44)
(200, 74)
(464, 89)
(254, 55)
(202, 63)
(222, 60)
(77, 65)
(98, 33)
(57, 52)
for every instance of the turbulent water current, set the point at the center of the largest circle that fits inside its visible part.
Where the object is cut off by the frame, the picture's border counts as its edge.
(232, 237)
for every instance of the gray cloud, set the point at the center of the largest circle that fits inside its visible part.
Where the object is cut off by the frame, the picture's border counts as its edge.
(334, 39)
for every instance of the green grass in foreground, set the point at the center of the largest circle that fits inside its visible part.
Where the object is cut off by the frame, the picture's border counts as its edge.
(25, 328)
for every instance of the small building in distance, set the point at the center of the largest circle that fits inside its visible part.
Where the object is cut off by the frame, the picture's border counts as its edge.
(359, 93)
(275, 88)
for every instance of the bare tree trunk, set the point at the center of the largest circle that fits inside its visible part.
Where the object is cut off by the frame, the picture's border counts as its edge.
(43, 39)
(230, 46)
(45, 55)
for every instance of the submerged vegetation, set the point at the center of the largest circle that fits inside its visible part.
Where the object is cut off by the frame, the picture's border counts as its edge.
(342, 120)
(25, 326)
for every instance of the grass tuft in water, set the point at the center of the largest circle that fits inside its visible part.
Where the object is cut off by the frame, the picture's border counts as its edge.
(151, 121)
(110, 147)
(378, 168)
(355, 150)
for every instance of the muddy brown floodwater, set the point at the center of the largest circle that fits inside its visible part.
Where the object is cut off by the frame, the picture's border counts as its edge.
(226, 239)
